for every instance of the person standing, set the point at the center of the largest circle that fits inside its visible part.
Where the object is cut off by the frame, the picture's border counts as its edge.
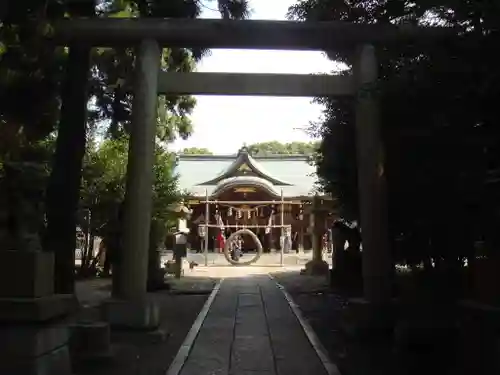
(221, 241)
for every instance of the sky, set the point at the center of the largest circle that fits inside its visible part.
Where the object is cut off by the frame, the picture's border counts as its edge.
(224, 123)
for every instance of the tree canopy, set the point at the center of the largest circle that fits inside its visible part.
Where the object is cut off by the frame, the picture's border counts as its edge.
(196, 151)
(279, 148)
(266, 148)
(104, 178)
(55, 86)
(438, 117)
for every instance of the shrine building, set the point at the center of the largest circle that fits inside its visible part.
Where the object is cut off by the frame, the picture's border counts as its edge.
(245, 178)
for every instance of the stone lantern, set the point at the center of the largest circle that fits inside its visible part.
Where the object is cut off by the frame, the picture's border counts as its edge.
(33, 338)
(181, 235)
(317, 266)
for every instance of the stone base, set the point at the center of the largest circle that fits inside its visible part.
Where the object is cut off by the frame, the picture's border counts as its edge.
(32, 271)
(90, 342)
(316, 268)
(37, 349)
(142, 337)
(143, 315)
(36, 309)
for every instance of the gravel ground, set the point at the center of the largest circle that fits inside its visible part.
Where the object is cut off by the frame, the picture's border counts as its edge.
(140, 353)
(323, 310)
(470, 349)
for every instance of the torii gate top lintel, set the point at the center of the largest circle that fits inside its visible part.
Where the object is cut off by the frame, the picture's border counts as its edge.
(238, 34)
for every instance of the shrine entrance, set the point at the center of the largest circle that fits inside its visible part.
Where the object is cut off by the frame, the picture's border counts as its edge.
(232, 255)
(150, 35)
(247, 212)
(249, 228)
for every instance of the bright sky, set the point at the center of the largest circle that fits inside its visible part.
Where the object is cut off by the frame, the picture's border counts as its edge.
(224, 123)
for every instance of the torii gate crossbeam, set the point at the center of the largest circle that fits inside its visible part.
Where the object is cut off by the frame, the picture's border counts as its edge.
(239, 34)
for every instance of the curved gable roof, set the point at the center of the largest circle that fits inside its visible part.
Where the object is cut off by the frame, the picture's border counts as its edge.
(245, 162)
(232, 182)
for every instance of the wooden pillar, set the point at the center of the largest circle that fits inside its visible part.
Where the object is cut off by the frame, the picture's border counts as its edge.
(316, 231)
(377, 262)
(137, 215)
(207, 222)
(301, 238)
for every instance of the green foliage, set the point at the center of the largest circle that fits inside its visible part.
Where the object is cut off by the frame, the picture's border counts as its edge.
(278, 148)
(113, 67)
(196, 151)
(104, 177)
(31, 70)
(439, 124)
(165, 190)
(30, 74)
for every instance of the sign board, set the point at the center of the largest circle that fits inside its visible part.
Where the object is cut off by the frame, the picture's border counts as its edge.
(244, 190)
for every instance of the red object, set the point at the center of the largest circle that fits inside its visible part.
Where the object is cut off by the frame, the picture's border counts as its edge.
(220, 241)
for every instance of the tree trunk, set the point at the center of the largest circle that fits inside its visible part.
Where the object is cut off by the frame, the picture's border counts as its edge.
(63, 191)
(88, 261)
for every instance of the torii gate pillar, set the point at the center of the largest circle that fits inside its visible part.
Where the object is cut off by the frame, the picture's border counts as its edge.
(131, 307)
(377, 259)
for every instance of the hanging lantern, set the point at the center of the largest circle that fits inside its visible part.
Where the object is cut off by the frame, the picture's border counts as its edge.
(249, 214)
(239, 214)
(230, 211)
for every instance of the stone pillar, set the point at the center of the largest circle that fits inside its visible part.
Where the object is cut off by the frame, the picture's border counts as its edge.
(317, 266)
(301, 239)
(33, 336)
(132, 309)
(377, 261)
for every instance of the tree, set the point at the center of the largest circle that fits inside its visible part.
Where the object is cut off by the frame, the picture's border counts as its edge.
(30, 74)
(31, 71)
(278, 148)
(439, 125)
(30, 77)
(196, 151)
(103, 187)
(111, 68)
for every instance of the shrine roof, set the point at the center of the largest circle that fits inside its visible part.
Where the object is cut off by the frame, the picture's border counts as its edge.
(292, 173)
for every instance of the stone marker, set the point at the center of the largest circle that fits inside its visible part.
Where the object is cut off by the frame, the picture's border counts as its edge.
(33, 337)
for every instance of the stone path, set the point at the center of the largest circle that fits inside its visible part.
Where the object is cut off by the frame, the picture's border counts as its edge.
(250, 329)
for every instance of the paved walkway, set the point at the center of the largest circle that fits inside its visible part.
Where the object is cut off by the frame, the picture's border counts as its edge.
(250, 329)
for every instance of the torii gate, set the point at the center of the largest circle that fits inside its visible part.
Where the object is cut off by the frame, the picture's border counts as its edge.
(150, 35)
